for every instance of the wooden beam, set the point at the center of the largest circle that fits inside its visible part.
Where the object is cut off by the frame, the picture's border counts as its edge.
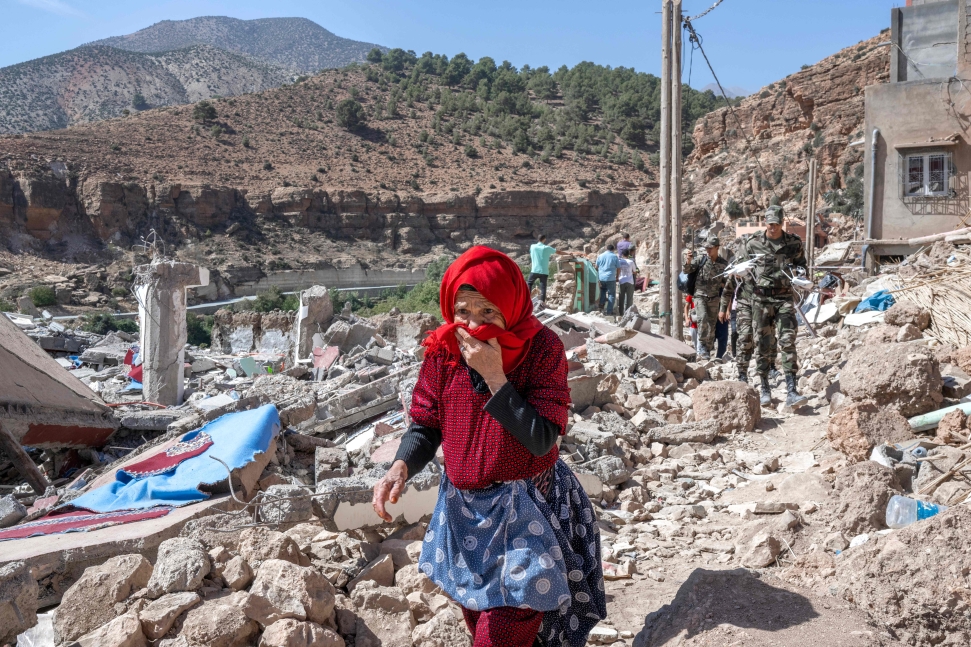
(21, 460)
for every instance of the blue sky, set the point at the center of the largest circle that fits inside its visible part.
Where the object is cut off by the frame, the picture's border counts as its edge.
(751, 42)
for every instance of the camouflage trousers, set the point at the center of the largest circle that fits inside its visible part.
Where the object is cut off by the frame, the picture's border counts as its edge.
(743, 327)
(706, 313)
(776, 324)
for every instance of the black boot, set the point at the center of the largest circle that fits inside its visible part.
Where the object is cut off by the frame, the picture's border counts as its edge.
(765, 396)
(793, 399)
(743, 373)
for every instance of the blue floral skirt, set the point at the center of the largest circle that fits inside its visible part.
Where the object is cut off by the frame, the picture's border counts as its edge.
(509, 545)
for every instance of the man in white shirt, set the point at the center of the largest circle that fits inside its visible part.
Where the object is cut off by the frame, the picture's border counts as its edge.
(625, 280)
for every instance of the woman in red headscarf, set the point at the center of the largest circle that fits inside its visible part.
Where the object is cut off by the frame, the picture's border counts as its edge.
(519, 548)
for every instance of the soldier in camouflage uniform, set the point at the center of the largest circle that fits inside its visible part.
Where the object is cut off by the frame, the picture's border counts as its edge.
(709, 285)
(742, 291)
(773, 311)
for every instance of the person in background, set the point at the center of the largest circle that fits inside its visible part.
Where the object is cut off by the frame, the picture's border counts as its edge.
(625, 245)
(513, 538)
(608, 268)
(689, 320)
(709, 285)
(625, 283)
(540, 254)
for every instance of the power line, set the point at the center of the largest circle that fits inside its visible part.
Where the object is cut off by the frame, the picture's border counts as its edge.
(696, 42)
(706, 12)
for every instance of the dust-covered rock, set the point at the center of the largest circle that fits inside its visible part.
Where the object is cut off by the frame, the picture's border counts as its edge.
(904, 313)
(384, 617)
(123, 631)
(914, 579)
(159, 615)
(236, 573)
(907, 378)
(256, 545)
(857, 427)
(11, 511)
(18, 601)
(181, 566)
(287, 504)
(733, 405)
(443, 630)
(294, 633)
(219, 623)
(284, 590)
(90, 602)
(864, 490)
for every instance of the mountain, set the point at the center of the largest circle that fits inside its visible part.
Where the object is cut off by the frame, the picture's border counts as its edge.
(91, 83)
(732, 91)
(293, 43)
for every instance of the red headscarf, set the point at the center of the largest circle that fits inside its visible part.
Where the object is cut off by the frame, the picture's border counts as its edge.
(496, 277)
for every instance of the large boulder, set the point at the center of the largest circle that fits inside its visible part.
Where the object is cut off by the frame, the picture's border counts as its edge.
(90, 602)
(903, 313)
(284, 590)
(219, 623)
(907, 378)
(864, 490)
(914, 580)
(858, 427)
(294, 633)
(181, 566)
(733, 405)
(443, 630)
(18, 601)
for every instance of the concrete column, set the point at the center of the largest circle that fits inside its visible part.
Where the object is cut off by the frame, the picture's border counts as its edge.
(315, 314)
(161, 316)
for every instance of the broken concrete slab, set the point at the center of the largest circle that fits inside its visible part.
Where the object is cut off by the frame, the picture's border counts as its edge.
(315, 316)
(345, 503)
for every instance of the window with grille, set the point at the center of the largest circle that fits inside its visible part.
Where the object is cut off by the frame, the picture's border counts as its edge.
(927, 174)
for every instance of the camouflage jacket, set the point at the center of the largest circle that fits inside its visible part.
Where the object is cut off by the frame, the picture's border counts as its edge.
(710, 281)
(777, 260)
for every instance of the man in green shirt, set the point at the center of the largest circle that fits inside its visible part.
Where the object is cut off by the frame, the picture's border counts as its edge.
(540, 254)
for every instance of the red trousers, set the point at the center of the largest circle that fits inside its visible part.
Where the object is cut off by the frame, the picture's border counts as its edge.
(503, 626)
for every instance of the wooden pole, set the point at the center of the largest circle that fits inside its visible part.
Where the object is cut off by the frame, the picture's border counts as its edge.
(676, 235)
(811, 218)
(664, 214)
(21, 460)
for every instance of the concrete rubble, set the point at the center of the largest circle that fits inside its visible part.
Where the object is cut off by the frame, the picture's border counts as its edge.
(684, 468)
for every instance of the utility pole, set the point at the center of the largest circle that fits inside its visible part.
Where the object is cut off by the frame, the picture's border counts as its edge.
(811, 218)
(664, 213)
(677, 239)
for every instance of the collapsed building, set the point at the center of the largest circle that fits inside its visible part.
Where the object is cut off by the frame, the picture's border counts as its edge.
(258, 524)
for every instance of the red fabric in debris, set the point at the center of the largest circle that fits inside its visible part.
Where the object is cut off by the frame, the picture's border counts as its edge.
(478, 451)
(78, 521)
(498, 279)
(168, 460)
(503, 626)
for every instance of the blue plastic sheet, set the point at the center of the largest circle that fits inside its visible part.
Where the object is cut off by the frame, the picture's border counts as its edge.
(878, 301)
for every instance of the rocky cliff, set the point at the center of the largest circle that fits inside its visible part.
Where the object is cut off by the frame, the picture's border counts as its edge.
(741, 166)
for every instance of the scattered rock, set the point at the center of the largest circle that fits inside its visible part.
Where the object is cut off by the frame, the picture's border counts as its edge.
(284, 590)
(90, 602)
(762, 551)
(159, 615)
(908, 332)
(444, 630)
(733, 405)
(292, 504)
(952, 426)
(256, 545)
(864, 490)
(181, 566)
(410, 579)
(689, 432)
(380, 571)
(18, 601)
(857, 427)
(384, 616)
(219, 623)
(11, 511)
(293, 633)
(123, 631)
(236, 573)
(904, 313)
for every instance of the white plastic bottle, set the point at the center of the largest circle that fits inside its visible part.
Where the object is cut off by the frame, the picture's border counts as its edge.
(903, 511)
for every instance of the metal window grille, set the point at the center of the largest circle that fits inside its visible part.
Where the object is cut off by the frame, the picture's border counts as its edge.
(927, 175)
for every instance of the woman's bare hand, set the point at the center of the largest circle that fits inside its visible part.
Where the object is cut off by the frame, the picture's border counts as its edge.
(389, 489)
(484, 358)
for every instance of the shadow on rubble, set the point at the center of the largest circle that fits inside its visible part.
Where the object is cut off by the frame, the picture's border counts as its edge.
(711, 598)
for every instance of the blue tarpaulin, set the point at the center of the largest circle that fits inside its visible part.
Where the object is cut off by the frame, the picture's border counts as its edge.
(236, 439)
(878, 301)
